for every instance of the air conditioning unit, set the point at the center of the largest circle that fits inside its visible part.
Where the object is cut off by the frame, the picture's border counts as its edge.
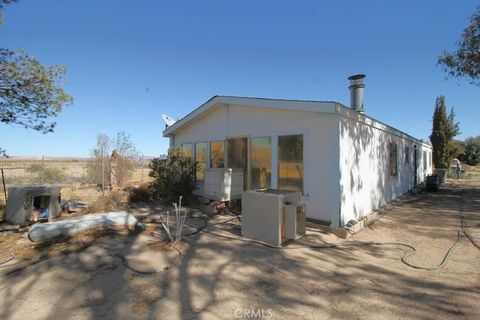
(273, 216)
(295, 221)
(223, 184)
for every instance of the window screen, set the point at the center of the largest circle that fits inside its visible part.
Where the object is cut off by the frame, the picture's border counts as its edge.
(261, 165)
(290, 162)
(393, 161)
(188, 149)
(424, 160)
(201, 159)
(217, 154)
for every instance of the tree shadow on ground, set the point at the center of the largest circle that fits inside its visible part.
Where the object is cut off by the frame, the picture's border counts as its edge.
(219, 278)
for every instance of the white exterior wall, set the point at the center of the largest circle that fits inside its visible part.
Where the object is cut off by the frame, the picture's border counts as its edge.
(321, 146)
(346, 156)
(365, 180)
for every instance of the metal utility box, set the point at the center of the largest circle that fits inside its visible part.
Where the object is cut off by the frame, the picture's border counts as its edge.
(432, 182)
(223, 184)
(273, 216)
(24, 201)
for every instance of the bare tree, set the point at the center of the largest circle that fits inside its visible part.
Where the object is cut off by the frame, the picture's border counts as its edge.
(98, 170)
(113, 160)
(123, 158)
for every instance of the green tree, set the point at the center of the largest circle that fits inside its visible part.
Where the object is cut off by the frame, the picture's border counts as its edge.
(453, 130)
(444, 129)
(457, 150)
(2, 3)
(465, 61)
(30, 93)
(173, 176)
(472, 150)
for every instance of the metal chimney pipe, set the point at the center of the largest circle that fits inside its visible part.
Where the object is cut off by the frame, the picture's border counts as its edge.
(356, 92)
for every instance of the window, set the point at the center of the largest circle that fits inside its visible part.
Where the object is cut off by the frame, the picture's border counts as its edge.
(237, 156)
(261, 165)
(424, 160)
(201, 159)
(290, 162)
(393, 161)
(217, 154)
(188, 149)
(407, 154)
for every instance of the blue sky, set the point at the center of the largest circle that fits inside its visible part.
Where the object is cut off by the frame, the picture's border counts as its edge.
(130, 61)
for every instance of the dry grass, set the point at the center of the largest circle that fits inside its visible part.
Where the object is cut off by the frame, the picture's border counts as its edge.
(111, 201)
(468, 168)
(18, 245)
(72, 175)
(83, 193)
(139, 177)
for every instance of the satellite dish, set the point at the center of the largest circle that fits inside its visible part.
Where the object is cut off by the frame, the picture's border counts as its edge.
(168, 120)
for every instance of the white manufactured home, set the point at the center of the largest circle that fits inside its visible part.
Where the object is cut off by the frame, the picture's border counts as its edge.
(345, 163)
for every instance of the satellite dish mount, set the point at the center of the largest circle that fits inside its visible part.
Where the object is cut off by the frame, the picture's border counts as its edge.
(168, 120)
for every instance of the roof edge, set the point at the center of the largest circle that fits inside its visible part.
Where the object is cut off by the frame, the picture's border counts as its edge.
(300, 105)
(370, 121)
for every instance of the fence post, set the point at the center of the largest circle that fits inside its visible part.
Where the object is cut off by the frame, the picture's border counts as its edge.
(43, 169)
(142, 166)
(103, 170)
(4, 189)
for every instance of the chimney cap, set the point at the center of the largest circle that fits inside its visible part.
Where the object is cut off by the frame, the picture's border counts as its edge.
(356, 77)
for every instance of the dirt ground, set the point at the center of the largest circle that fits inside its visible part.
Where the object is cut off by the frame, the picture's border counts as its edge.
(216, 277)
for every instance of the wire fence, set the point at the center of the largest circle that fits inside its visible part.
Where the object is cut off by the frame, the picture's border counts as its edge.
(71, 173)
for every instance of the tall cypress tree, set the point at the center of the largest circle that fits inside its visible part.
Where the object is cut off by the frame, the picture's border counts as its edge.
(444, 129)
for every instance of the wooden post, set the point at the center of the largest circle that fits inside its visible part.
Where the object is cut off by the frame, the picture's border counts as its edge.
(103, 170)
(43, 169)
(142, 159)
(4, 188)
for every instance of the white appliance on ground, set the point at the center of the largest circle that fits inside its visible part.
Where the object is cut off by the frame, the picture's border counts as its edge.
(223, 184)
(295, 220)
(273, 216)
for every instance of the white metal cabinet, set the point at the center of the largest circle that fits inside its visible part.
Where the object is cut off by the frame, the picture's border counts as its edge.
(223, 184)
(272, 216)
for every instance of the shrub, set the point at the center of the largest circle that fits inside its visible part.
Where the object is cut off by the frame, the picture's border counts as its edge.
(173, 176)
(141, 193)
(48, 174)
(53, 175)
(472, 150)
